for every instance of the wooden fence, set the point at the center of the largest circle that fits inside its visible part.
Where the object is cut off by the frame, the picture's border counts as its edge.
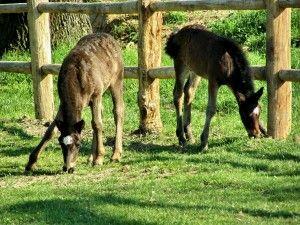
(277, 71)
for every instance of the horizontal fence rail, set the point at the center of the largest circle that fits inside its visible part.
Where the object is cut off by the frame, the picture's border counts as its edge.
(13, 8)
(129, 7)
(131, 72)
(258, 72)
(15, 67)
(289, 3)
(218, 5)
(290, 75)
(207, 5)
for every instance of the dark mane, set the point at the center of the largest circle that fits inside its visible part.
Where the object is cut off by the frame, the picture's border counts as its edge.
(241, 77)
(171, 46)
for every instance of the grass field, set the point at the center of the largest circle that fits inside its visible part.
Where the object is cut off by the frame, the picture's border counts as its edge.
(239, 180)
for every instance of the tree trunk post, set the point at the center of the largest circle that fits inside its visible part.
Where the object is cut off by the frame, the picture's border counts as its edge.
(40, 48)
(278, 58)
(149, 53)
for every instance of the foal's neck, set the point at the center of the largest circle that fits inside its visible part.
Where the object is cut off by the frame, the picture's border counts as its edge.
(71, 113)
(242, 85)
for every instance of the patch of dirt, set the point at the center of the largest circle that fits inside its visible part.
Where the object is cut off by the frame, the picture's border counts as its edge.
(33, 127)
(37, 128)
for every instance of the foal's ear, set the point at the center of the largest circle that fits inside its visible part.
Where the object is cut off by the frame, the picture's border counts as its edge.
(241, 97)
(60, 124)
(256, 96)
(79, 126)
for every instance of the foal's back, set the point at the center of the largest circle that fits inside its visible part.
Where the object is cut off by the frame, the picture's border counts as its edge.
(205, 53)
(92, 66)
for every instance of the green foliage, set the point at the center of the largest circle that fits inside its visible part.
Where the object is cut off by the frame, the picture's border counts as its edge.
(246, 27)
(296, 28)
(249, 28)
(124, 29)
(171, 18)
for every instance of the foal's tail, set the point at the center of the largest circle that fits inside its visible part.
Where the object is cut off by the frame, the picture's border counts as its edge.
(172, 48)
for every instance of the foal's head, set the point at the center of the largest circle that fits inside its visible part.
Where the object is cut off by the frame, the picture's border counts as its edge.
(69, 141)
(250, 111)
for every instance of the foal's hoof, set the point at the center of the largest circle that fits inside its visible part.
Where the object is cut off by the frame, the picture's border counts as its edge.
(71, 170)
(116, 157)
(203, 147)
(30, 167)
(182, 143)
(191, 140)
(98, 162)
(64, 169)
(95, 162)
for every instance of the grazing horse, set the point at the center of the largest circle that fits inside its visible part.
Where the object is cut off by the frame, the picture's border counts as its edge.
(94, 65)
(222, 62)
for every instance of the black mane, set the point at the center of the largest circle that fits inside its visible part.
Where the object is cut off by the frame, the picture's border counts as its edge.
(241, 77)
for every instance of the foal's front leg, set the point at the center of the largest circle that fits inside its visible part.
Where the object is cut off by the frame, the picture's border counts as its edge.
(210, 112)
(34, 155)
(178, 100)
(41, 146)
(98, 150)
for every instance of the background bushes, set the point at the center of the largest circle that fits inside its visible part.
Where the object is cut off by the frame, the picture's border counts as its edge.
(248, 28)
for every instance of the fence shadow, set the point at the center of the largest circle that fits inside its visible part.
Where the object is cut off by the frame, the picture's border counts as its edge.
(15, 131)
(71, 212)
(283, 155)
(140, 147)
(83, 210)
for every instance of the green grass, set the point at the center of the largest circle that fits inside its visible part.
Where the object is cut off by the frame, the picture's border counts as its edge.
(239, 180)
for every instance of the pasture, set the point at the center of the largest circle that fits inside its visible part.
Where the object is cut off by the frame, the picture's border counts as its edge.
(239, 180)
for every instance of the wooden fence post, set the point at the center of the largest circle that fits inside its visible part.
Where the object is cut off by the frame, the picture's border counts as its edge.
(278, 58)
(40, 48)
(149, 53)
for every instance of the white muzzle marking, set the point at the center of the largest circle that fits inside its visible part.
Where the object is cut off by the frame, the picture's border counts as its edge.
(68, 140)
(256, 111)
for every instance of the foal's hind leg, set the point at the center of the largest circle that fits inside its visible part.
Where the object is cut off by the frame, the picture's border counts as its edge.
(98, 150)
(41, 146)
(178, 100)
(210, 112)
(189, 94)
(117, 97)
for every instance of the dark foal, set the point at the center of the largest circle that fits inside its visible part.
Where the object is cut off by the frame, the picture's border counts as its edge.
(94, 65)
(222, 62)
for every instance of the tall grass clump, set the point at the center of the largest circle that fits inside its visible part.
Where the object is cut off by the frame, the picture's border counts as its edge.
(172, 18)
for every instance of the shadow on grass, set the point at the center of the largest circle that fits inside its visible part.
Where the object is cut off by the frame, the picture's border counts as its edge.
(141, 147)
(15, 131)
(223, 141)
(282, 155)
(92, 209)
(59, 211)
(256, 166)
(281, 194)
(20, 171)
(14, 151)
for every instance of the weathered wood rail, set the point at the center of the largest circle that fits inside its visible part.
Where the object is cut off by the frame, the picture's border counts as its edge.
(167, 72)
(277, 71)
